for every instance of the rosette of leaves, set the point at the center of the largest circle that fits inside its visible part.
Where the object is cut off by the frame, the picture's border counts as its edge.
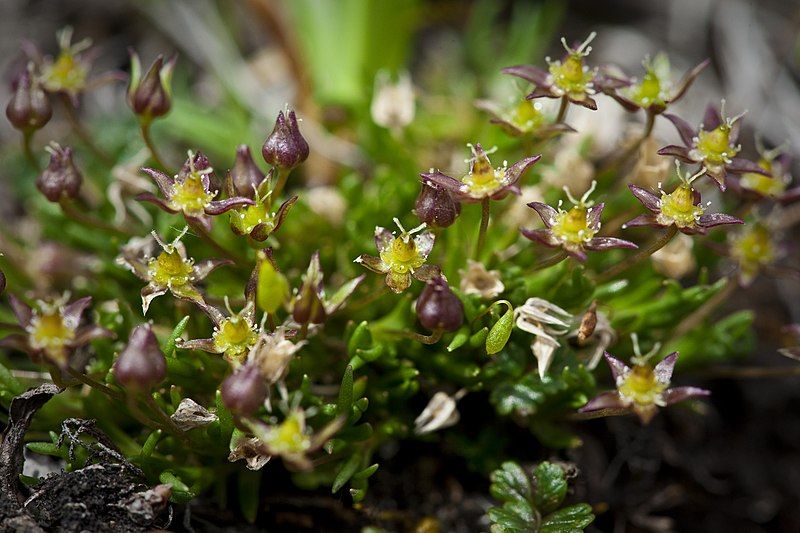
(535, 501)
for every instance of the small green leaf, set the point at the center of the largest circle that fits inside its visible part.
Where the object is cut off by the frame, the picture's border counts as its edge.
(248, 484)
(180, 490)
(551, 487)
(572, 519)
(150, 444)
(346, 472)
(479, 337)
(169, 345)
(459, 339)
(345, 403)
(498, 336)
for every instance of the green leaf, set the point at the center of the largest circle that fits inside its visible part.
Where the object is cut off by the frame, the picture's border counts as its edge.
(180, 490)
(345, 472)
(459, 339)
(345, 403)
(510, 483)
(9, 382)
(169, 345)
(572, 519)
(248, 484)
(150, 444)
(551, 487)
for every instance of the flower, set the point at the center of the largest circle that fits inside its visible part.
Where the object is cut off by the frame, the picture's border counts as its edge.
(291, 439)
(440, 413)
(52, 329)
(545, 321)
(675, 259)
(523, 117)
(642, 388)
(654, 92)
(141, 365)
(573, 230)
(233, 336)
(713, 145)
(567, 78)
(29, 108)
(310, 304)
(475, 279)
(756, 248)
(482, 181)
(401, 257)
(438, 308)
(61, 179)
(392, 103)
(150, 96)
(68, 73)
(774, 182)
(189, 192)
(257, 219)
(170, 271)
(272, 354)
(285, 148)
(435, 206)
(682, 207)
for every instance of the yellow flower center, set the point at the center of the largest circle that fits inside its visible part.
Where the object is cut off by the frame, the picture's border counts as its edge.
(190, 196)
(753, 247)
(649, 91)
(234, 337)
(571, 76)
(678, 208)
(641, 387)
(67, 73)
(715, 145)
(402, 256)
(526, 115)
(169, 269)
(245, 219)
(573, 226)
(289, 437)
(50, 332)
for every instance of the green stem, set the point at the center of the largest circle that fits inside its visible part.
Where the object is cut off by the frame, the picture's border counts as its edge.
(94, 384)
(90, 221)
(27, 137)
(283, 175)
(84, 135)
(639, 256)
(433, 338)
(702, 312)
(482, 229)
(562, 110)
(144, 127)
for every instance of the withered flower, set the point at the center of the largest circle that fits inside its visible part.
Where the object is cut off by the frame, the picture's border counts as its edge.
(774, 183)
(61, 179)
(310, 303)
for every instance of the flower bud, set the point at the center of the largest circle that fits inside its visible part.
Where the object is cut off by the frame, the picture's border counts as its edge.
(245, 173)
(271, 286)
(244, 391)
(308, 307)
(29, 108)
(61, 178)
(436, 207)
(151, 96)
(285, 147)
(438, 307)
(141, 364)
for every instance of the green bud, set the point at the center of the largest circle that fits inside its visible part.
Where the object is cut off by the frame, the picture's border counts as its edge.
(272, 287)
(498, 336)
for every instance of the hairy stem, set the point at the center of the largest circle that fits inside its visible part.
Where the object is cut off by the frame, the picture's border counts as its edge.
(27, 138)
(562, 110)
(144, 127)
(283, 175)
(639, 256)
(96, 385)
(600, 413)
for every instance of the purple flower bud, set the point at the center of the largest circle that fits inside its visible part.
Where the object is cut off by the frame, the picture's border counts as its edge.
(308, 307)
(244, 391)
(151, 96)
(436, 207)
(61, 178)
(438, 307)
(141, 364)
(29, 108)
(245, 173)
(285, 147)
